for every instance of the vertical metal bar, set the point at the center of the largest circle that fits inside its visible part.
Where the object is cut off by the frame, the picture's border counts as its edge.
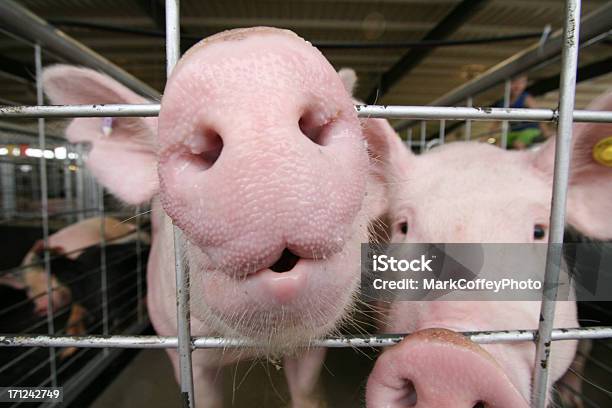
(7, 180)
(185, 346)
(68, 187)
(92, 192)
(139, 293)
(103, 274)
(44, 205)
(173, 39)
(409, 138)
(35, 182)
(442, 131)
(56, 179)
(569, 63)
(504, 129)
(468, 123)
(423, 135)
(80, 187)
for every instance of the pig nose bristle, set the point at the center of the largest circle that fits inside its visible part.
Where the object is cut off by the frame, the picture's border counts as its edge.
(286, 262)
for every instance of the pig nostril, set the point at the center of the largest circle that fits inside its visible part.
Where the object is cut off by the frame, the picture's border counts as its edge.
(315, 130)
(286, 262)
(408, 398)
(204, 151)
(480, 404)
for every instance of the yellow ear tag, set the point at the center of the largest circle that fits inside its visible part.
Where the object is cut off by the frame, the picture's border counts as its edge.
(602, 151)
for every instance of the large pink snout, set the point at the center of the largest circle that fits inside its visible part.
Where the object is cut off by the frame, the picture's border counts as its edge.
(438, 368)
(262, 160)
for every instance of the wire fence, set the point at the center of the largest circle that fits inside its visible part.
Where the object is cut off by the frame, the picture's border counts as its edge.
(68, 181)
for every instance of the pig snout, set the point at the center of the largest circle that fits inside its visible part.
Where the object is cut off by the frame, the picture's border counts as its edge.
(260, 165)
(439, 368)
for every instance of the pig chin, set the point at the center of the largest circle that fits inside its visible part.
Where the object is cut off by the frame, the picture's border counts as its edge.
(280, 311)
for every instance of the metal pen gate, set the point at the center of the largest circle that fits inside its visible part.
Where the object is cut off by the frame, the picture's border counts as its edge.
(564, 116)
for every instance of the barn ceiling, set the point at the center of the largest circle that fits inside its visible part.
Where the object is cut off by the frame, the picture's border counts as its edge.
(397, 75)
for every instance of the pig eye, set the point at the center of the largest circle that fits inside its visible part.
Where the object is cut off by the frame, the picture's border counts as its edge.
(539, 232)
(403, 227)
(314, 128)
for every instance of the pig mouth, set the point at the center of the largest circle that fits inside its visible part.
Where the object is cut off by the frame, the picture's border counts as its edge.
(286, 262)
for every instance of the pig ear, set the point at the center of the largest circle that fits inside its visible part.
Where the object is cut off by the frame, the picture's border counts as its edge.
(389, 157)
(589, 205)
(349, 79)
(389, 154)
(389, 162)
(122, 155)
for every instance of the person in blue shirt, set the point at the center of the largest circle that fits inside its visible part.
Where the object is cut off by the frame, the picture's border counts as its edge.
(521, 135)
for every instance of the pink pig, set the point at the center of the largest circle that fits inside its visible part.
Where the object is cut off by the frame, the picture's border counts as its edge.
(259, 157)
(467, 192)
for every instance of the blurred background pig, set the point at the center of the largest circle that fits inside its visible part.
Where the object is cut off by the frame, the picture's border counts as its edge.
(74, 262)
(273, 199)
(468, 192)
(67, 245)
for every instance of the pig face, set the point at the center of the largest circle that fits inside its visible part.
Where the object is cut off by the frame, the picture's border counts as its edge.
(35, 278)
(471, 192)
(261, 162)
(476, 193)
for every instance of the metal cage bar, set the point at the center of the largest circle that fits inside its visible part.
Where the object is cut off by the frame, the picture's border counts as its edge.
(505, 124)
(468, 123)
(358, 341)
(103, 272)
(185, 344)
(554, 254)
(182, 272)
(45, 211)
(409, 138)
(442, 131)
(423, 136)
(139, 280)
(364, 111)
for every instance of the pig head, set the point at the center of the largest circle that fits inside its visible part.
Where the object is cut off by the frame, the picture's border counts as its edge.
(259, 158)
(468, 192)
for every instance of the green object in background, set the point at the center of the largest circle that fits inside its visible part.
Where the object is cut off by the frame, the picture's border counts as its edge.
(525, 136)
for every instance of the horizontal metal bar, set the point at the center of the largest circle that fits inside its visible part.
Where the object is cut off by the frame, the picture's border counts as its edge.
(373, 111)
(385, 340)
(475, 113)
(75, 111)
